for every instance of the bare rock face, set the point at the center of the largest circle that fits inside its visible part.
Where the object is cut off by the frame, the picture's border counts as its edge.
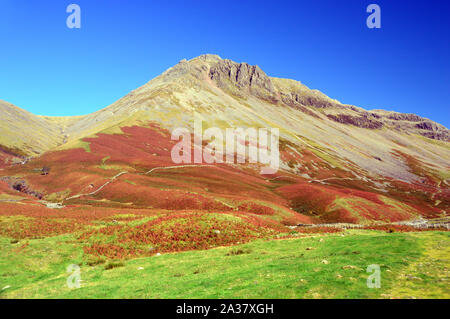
(404, 117)
(244, 77)
(433, 130)
(409, 123)
(306, 100)
(363, 120)
(442, 136)
(21, 185)
(412, 123)
(429, 126)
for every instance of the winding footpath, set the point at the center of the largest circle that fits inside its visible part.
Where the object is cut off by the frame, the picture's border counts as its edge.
(126, 172)
(98, 189)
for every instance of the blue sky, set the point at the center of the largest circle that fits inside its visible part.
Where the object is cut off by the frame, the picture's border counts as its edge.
(49, 69)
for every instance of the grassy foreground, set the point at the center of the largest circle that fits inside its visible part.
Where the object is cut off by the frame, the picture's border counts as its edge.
(413, 265)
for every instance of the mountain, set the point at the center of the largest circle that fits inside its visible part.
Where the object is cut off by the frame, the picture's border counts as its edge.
(338, 162)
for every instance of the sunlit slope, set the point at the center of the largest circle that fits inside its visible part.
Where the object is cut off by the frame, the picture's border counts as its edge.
(362, 165)
(23, 133)
(134, 169)
(223, 93)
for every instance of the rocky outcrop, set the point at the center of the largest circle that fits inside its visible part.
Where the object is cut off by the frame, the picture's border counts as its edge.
(429, 126)
(442, 136)
(432, 130)
(21, 186)
(404, 117)
(244, 77)
(296, 98)
(415, 124)
(360, 121)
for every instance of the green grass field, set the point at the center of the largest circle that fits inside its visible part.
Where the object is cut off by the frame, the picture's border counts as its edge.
(413, 265)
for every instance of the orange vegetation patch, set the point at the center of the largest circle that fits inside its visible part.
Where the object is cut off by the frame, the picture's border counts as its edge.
(136, 151)
(6, 189)
(420, 197)
(373, 197)
(418, 168)
(37, 227)
(218, 188)
(170, 199)
(256, 208)
(304, 161)
(141, 146)
(176, 232)
(307, 198)
(124, 233)
(332, 204)
(78, 214)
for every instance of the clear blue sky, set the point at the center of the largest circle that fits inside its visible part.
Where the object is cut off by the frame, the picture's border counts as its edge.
(49, 69)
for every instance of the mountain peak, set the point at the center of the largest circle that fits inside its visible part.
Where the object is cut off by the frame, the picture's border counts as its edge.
(207, 57)
(221, 91)
(244, 82)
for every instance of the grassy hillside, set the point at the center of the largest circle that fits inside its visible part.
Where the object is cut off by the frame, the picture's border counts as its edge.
(25, 134)
(413, 265)
(129, 170)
